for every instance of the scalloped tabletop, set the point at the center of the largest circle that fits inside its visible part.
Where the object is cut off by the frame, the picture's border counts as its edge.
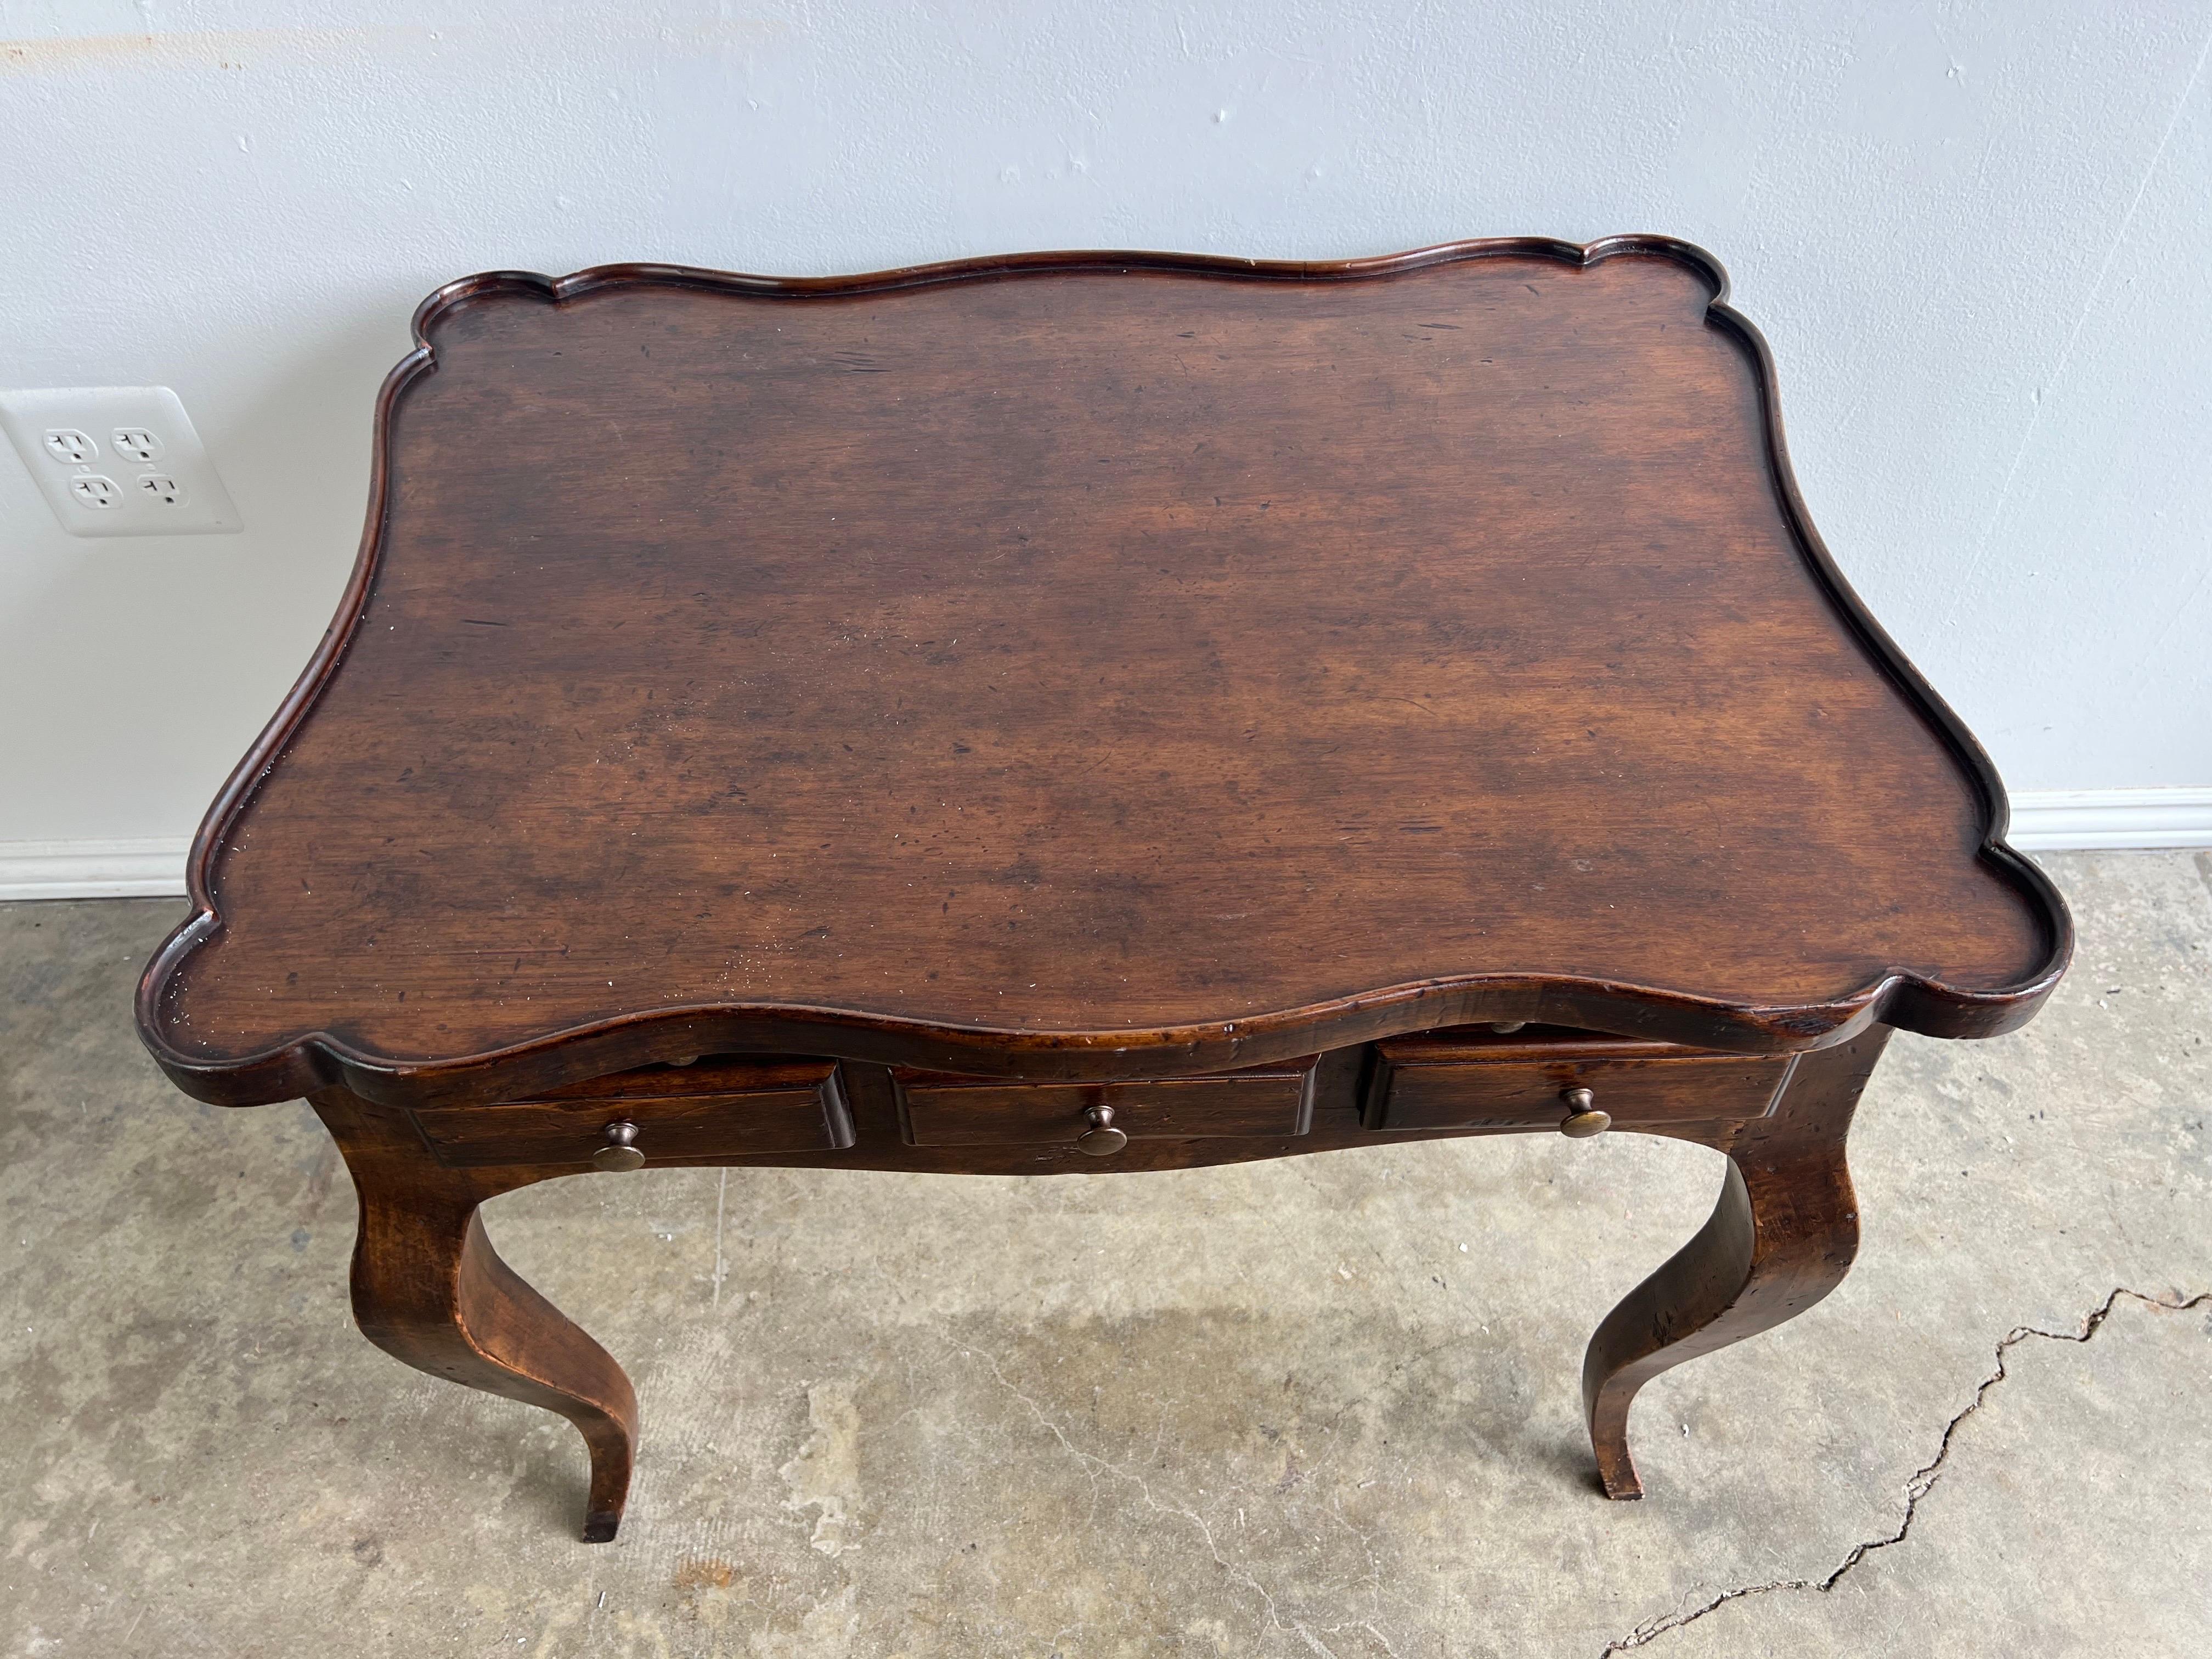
(1085, 663)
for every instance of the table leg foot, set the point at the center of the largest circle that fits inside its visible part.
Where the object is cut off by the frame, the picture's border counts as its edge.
(1782, 1236)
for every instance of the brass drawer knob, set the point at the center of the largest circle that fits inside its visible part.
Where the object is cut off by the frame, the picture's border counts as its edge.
(1582, 1116)
(621, 1150)
(1101, 1138)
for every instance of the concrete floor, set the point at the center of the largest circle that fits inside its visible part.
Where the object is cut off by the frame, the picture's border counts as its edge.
(1322, 1406)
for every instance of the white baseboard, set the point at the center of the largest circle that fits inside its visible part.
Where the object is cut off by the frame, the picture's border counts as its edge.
(2089, 820)
(2043, 821)
(149, 866)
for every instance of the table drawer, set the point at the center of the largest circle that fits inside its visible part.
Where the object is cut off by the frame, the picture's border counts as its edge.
(717, 1108)
(1452, 1079)
(939, 1109)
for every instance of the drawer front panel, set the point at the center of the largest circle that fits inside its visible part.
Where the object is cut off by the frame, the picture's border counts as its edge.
(727, 1109)
(1420, 1084)
(940, 1110)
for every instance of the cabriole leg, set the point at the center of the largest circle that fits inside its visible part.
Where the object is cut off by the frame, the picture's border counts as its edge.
(1782, 1236)
(429, 1289)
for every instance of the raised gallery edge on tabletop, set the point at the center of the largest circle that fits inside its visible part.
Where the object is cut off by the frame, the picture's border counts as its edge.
(316, 1059)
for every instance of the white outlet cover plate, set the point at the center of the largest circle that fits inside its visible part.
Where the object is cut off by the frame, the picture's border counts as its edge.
(178, 493)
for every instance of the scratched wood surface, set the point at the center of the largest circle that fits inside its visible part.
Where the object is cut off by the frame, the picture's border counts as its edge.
(1087, 670)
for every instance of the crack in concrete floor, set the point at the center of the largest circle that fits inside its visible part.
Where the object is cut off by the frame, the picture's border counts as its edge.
(1917, 1487)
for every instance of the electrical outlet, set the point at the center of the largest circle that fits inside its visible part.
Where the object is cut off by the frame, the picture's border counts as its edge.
(157, 479)
(136, 443)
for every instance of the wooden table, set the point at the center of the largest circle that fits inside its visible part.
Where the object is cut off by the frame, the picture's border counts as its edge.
(1080, 712)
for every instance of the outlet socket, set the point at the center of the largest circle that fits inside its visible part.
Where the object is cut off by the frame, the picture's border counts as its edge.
(70, 446)
(147, 474)
(136, 443)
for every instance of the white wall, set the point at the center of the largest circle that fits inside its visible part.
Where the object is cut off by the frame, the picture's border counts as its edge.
(1978, 236)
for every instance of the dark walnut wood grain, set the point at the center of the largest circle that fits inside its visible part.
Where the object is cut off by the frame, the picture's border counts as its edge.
(1088, 713)
(1445, 1080)
(940, 1110)
(429, 1289)
(729, 1109)
(1782, 1236)
(1083, 665)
